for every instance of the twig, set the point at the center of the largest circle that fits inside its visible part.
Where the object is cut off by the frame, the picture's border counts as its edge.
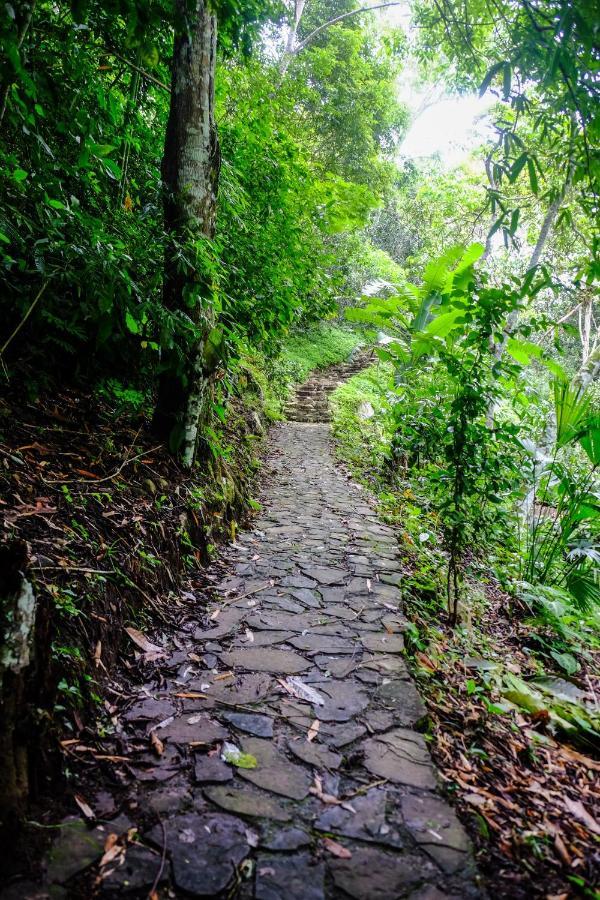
(141, 71)
(108, 477)
(25, 317)
(271, 583)
(80, 569)
(161, 869)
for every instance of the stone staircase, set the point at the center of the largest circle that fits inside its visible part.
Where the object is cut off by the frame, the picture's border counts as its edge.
(310, 402)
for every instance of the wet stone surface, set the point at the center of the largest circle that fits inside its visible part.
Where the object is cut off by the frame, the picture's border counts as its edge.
(296, 662)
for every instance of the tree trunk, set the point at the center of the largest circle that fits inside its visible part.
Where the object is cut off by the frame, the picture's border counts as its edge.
(18, 608)
(190, 171)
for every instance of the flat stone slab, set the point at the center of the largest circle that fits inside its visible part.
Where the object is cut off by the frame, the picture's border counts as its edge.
(138, 871)
(314, 642)
(259, 726)
(296, 877)
(275, 772)
(366, 823)
(147, 708)
(435, 827)
(315, 755)
(403, 698)
(400, 756)
(76, 847)
(282, 662)
(286, 839)
(205, 850)
(195, 728)
(247, 803)
(325, 575)
(343, 700)
(383, 642)
(373, 874)
(211, 769)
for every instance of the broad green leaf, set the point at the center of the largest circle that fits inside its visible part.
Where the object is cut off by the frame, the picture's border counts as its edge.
(102, 149)
(522, 351)
(132, 324)
(533, 182)
(590, 442)
(443, 324)
(20, 175)
(517, 167)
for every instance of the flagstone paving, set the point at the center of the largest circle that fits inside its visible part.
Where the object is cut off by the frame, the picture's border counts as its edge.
(298, 666)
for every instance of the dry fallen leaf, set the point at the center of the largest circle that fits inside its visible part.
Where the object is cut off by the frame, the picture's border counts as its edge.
(577, 809)
(85, 808)
(157, 744)
(313, 730)
(152, 651)
(562, 850)
(317, 791)
(336, 849)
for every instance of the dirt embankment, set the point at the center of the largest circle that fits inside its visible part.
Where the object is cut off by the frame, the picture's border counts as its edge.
(100, 531)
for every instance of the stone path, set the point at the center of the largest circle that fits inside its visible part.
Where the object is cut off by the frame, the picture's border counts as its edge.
(292, 767)
(310, 402)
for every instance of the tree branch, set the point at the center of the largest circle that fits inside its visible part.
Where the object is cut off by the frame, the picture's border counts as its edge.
(353, 12)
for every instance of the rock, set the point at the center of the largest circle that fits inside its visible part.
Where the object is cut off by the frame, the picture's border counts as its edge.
(372, 874)
(340, 667)
(147, 708)
(260, 726)
(323, 642)
(275, 772)
(264, 638)
(307, 597)
(400, 756)
(286, 839)
(205, 850)
(325, 575)
(366, 823)
(284, 662)
(435, 827)
(315, 755)
(211, 768)
(297, 581)
(404, 699)
(290, 878)
(343, 700)
(138, 871)
(383, 643)
(388, 665)
(341, 735)
(243, 690)
(193, 729)
(75, 848)
(247, 803)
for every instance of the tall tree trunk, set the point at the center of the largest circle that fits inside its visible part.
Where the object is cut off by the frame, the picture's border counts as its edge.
(190, 172)
(290, 48)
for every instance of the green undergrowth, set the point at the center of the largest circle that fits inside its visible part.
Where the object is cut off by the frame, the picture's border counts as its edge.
(548, 639)
(303, 352)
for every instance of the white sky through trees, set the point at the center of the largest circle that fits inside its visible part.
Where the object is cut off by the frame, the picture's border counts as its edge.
(451, 127)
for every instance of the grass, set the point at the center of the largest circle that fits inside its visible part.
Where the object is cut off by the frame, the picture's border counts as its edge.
(316, 348)
(303, 352)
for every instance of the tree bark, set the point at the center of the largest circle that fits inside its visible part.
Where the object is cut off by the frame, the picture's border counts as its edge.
(190, 171)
